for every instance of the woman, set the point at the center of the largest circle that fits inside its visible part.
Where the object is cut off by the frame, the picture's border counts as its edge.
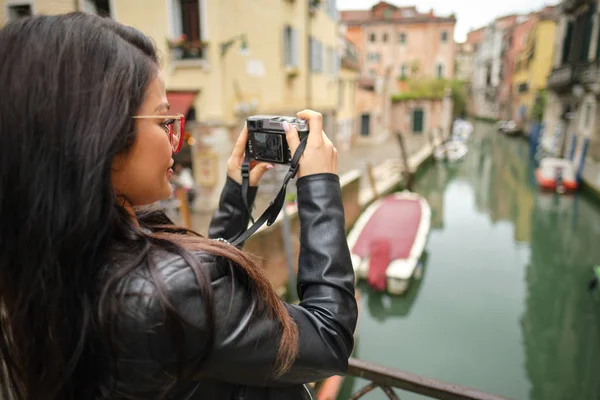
(101, 301)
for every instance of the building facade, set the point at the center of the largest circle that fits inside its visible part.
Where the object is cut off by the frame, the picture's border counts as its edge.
(488, 73)
(223, 60)
(572, 110)
(533, 65)
(465, 58)
(347, 117)
(404, 41)
(395, 44)
(515, 40)
(235, 58)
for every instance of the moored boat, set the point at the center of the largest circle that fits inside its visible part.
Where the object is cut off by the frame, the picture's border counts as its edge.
(388, 239)
(556, 174)
(462, 130)
(451, 151)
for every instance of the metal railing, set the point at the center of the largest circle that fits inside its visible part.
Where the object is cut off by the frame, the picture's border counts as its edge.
(387, 379)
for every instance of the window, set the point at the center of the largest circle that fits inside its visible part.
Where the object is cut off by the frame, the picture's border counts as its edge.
(316, 55)
(440, 71)
(19, 11)
(418, 120)
(402, 38)
(387, 14)
(340, 93)
(373, 57)
(444, 37)
(372, 73)
(290, 46)
(372, 38)
(97, 7)
(404, 71)
(384, 38)
(186, 21)
(523, 87)
(332, 9)
(191, 19)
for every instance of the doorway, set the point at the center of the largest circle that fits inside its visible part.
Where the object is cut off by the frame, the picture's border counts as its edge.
(365, 124)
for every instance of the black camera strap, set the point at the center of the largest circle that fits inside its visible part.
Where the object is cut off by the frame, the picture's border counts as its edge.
(272, 212)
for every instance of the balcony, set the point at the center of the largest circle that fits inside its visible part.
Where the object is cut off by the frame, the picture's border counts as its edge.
(366, 83)
(388, 379)
(587, 74)
(570, 5)
(564, 77)
(561, 78)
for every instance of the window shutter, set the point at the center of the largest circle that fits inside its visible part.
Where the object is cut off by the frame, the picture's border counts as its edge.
(312, 54)
(321, 56)
(295, 52)
(285, 46)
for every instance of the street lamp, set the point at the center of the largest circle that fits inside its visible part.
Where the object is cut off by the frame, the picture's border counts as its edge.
(243, 45)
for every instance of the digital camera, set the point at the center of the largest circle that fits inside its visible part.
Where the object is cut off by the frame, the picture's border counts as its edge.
(266, 137)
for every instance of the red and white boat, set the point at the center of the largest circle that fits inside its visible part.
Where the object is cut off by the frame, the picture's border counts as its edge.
(556, 174)
(388, 239)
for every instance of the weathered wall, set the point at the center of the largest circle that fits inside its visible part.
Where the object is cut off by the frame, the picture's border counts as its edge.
(433, 117)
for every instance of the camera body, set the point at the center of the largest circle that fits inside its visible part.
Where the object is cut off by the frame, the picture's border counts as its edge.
(266, 137)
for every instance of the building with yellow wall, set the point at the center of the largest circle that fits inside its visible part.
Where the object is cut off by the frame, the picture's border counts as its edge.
(226, 59)
(239, 58)
(347, 117)
(533, 66)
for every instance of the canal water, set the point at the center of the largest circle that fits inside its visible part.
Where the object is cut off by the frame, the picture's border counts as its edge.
(503, 304)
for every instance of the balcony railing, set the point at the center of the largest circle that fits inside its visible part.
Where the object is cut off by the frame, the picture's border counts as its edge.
(387, 379)
(571, 74)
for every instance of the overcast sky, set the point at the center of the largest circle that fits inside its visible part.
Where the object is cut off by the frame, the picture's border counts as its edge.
(470, 14)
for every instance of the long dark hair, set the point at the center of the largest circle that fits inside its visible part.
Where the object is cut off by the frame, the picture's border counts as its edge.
(70, 85)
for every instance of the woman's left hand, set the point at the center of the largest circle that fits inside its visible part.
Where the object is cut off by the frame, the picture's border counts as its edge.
(234, 165)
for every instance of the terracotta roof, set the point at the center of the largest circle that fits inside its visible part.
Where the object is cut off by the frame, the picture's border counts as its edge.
(418, 19)
(384, 12)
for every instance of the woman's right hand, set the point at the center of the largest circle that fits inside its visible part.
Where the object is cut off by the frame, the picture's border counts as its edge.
(320, 156)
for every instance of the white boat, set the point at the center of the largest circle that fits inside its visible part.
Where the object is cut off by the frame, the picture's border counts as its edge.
(462, 130)
(557, 174)
(508, 127)
(451, 151)
(388, 239)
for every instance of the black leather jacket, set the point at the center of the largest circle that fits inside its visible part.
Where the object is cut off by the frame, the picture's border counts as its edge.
(246, 340)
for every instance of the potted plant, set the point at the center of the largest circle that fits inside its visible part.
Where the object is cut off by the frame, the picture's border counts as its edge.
(184, 48)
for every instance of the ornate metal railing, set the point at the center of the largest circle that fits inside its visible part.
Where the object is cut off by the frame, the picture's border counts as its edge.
(387, 379)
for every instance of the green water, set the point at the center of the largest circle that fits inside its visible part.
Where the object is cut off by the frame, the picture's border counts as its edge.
(503, 304)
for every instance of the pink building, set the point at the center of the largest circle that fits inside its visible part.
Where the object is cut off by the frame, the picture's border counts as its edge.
(515, 41)
(402, 42)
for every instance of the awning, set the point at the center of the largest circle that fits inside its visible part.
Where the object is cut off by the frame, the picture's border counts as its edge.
(181, 101)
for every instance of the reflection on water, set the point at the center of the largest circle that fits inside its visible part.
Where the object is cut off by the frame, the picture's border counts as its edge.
(382, 306)
(502, 305)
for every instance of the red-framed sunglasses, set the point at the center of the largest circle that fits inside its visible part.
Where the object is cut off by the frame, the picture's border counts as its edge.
(174, 127)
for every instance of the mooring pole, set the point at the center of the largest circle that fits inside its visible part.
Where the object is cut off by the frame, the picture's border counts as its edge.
(404, 153)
